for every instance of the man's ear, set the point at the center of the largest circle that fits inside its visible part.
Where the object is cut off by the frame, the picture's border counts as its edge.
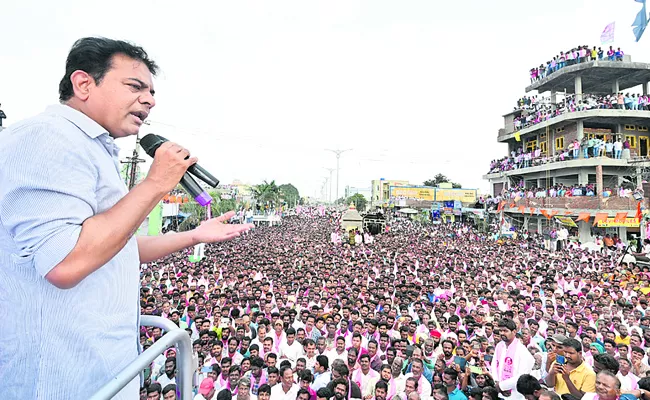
(81, 83)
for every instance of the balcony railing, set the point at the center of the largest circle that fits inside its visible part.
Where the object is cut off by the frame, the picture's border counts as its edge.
(173, 336)
(576, 203)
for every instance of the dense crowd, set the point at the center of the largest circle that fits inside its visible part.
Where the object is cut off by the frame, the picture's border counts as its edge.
(574, 56)
(423, 312)
(561, 190)
(536, 110)
(588, 147)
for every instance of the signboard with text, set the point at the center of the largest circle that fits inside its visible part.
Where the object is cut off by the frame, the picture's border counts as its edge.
(611, 223)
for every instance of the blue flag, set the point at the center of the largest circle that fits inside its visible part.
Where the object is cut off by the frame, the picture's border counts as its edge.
(640, 22)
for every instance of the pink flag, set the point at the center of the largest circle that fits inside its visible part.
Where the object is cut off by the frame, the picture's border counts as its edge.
(608, 34)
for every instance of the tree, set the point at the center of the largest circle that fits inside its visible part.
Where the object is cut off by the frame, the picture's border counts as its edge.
(358, 200)
(266, 192)
(198, 213)
(289, 194)
(440, 178)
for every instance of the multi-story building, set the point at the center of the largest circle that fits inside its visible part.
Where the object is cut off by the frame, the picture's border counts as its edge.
(380, 190)
(578, 109)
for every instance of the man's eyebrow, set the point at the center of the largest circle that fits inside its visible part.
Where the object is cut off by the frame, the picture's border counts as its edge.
(144, 85)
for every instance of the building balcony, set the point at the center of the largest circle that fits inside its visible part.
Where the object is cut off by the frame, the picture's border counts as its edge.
(574, 205)
(596, 116)
(601, 76)
(577, 163)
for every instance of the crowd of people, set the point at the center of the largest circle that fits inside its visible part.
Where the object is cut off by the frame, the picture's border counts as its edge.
(561, 190)
(536, 110)
(574, 56)
(423, 312)
(589, 147)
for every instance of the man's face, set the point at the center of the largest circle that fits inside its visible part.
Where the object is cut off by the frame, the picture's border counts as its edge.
(416, 368)
(171, 395)
(380, 394)
(169, 368)
(267, 346)
(409, 387)
(287, 378)
(339, 392)
(310, 350)
(273, 380)
(232, 346)
(447, 349)
(507, 335)
(153, 396)
(126, 89)
(573, 357)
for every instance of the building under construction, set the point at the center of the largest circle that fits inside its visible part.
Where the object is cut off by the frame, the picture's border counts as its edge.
(553, 135)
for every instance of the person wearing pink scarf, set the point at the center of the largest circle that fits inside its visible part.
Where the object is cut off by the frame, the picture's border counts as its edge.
(511, 360)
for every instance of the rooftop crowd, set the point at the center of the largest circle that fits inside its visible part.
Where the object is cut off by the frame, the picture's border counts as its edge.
(423, 312)
(577, 55)
(587, 148)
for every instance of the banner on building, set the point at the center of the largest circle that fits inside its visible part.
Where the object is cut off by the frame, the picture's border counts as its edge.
(462, 195)
(566, 221)
(413, 192)
(611, 223)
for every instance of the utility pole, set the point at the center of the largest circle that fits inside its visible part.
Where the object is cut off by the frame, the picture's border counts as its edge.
(330, 171)
(338, 159)
(133, 162)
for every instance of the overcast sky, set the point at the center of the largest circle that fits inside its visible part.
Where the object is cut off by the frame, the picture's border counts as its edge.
(259, 89)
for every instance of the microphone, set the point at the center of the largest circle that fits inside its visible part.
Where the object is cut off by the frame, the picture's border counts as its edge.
(150, 144)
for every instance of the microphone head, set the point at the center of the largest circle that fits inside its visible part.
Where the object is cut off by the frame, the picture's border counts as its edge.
(150, 143)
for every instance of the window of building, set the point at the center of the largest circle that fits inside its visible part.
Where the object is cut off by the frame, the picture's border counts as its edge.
(542, 147)
(559, 143)
(559, 130)
(632, 140)
(630, 127)
(600, 136)
(642, 128)
(531, 145)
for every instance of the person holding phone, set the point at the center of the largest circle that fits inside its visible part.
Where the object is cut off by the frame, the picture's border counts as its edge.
(569, 374)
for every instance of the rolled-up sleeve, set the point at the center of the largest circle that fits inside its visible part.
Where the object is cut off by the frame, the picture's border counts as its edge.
(47, 190)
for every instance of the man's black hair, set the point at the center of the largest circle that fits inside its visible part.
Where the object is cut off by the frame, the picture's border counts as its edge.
(94, 56)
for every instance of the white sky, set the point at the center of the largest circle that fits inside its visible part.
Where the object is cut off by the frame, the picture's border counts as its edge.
(258, 89)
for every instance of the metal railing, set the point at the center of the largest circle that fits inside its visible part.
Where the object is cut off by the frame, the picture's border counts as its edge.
(174, 336)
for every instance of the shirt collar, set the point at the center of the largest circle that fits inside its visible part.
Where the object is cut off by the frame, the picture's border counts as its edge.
(79, 119)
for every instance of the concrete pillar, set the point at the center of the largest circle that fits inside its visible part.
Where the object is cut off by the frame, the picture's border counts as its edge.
(584, 232)
(645, 88)
(622, 233)
(553, 96)
(539, 225)
(578, 87)
(615, 88)
(583, 177)
(580, 130)
(638, 177)
(599, 181)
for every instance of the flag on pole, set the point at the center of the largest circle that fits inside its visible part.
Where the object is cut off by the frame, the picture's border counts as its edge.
(608, 34)
(640, 22)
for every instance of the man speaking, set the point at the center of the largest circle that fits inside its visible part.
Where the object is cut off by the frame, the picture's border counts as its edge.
(69, 261)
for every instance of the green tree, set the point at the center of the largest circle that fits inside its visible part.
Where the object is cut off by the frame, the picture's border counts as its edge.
(198, 213)
(266, 192)
(440, 178)
(358, 200)
(289, 194)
